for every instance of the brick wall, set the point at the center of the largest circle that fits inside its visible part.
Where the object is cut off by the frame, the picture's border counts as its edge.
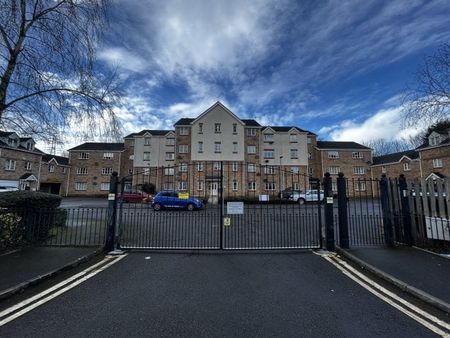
(394, 170)
(60, 175)
(21, 158)
(427, 157)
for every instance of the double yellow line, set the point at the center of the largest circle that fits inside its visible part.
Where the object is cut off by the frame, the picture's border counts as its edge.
(426, 319)
(31, 303)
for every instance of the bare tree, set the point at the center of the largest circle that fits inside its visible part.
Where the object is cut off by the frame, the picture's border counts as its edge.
(47, 67)
(429, 100)
(384, 147)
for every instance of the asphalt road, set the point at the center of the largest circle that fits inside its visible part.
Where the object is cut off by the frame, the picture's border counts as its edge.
(225, 295)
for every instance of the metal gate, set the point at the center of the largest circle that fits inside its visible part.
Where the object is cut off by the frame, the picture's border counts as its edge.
(243, 206)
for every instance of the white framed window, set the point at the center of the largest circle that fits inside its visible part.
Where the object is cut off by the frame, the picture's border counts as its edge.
(200, 147)
(383, 170)
(234, 166)
(333, 170)
(235, 185)
(268, 138)
(146, 156)
(82, 171)
(146, 172)
(64, 170)
(295, 170)
(269, 153)
(183, 168)
(10, 165)
(357, 155)
(270, 186)
(131, 142)
(310, 170)
(108, 171)
(200, 185)
(183, 148)
(169, 171)
(217, 127)
(170, 141)
(293, 138)
(234, 128)
(108, 156)
(131, 157)
(251, 149)
(170, 156)
(147, 141)
(200, 166)
(130, 171)
(308, 140)
(51, 168)
(182, 185)
(235, 147)
(80, 186)
(295, 186)
(359, 170)
(27, 165)
(217, 147)
(309, 156)
(168, 186)
(200, 128)
(269, 170)
(83, 156)
(104, 186)
(435, 140)
(333, 154)
(29, 146)
(406, 166)
(360, 186)
(251, 131)
(183, 130)
(251, 168)
(217, 166)
(251, 186)
(437, 163)
(294, 153)
(334, 186)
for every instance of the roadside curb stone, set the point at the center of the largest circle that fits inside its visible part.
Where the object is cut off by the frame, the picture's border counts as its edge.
(422, 295)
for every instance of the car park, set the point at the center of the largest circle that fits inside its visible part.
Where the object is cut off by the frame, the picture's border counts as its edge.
(307, 196)
(287, 193)
(174, 199)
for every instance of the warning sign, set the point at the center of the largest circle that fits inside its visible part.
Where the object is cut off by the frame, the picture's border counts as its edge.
(227, 221)
(183, 195)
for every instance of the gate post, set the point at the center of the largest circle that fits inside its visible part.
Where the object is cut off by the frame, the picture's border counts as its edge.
(387, 217)
(112, 213)
(406, 212)
(329, 226)
(342, 212)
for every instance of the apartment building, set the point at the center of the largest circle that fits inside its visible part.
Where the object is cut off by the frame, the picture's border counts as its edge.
(92, 164)
(55, 171)
(434, 155)
(21, 161)
(350, 158)
(395, 164)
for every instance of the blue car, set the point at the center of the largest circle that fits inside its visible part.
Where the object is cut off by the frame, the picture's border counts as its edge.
(171, 199)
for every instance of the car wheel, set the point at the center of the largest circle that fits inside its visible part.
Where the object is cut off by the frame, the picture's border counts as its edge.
(157, 207)
(190, 207)
(301, 201)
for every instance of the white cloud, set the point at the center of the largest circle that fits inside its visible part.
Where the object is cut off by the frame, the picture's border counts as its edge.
(119, 57)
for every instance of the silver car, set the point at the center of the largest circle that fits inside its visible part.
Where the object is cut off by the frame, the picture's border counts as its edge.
(307, 196)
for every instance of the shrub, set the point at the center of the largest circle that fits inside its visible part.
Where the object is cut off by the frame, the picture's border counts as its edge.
(12, 230)
(27, 199)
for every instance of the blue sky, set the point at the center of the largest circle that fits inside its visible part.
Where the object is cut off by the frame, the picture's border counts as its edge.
(337, 68)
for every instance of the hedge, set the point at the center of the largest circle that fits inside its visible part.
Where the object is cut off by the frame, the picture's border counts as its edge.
(29, 199)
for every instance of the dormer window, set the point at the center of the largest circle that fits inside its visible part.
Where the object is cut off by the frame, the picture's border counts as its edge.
(434, 140)
(147, 141)
(29, 146)
(268, 137)
(12, 142)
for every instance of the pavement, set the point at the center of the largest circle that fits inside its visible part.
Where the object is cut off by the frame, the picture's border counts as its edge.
(22, 268)
(421, 273)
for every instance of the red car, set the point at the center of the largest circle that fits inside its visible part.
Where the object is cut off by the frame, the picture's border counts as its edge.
(134, 197)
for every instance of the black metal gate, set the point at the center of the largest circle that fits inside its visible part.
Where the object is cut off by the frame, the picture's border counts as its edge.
(244, 206)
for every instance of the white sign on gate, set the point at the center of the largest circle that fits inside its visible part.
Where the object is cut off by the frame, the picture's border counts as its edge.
(235, 208)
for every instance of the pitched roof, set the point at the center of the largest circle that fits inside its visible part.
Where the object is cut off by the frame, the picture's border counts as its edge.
(340, 145)
(99, 146)
(60, 159)
(151, 131)
(5, 133)
(185, 121)
(251, 122)
(286, 129)
(395, 157)
(426, 143)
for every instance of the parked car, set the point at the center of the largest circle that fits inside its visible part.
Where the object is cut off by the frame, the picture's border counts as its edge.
(128, 197)
(307, 196)
(287, 193)
(171, 199)
(5, 188)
